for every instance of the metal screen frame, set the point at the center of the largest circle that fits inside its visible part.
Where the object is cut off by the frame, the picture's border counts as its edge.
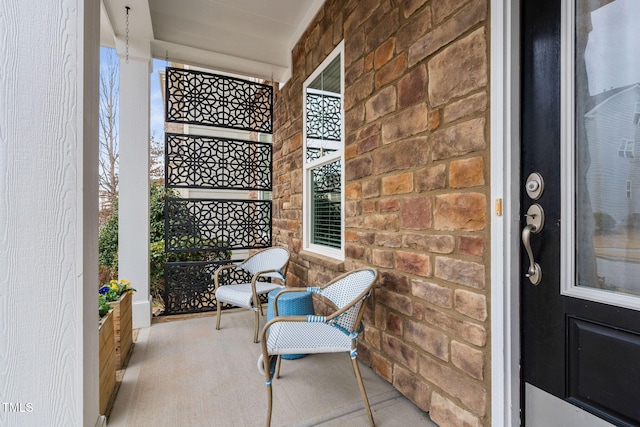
(196, 225)
(201, 98)
(209, 162)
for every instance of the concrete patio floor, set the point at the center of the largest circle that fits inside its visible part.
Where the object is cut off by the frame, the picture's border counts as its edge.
(185, 373)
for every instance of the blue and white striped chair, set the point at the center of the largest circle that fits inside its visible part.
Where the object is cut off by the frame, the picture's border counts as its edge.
(337, 332)
(268, 263)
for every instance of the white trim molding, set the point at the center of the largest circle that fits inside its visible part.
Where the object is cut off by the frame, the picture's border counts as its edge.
(308, 167)
(505, 153)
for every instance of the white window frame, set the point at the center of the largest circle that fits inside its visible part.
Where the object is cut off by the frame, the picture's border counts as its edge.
(627, 149)
(568, 276)
(308, 167)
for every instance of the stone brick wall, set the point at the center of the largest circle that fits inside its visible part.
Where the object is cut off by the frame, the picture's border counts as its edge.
(417, 158)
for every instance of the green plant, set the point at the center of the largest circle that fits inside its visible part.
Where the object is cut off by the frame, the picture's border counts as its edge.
(113, 290)
(157, 195)
(108, 240)
(103, 306)
(604, 221)
(159, 257)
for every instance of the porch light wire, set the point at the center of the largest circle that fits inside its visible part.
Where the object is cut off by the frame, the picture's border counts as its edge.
(127, 35)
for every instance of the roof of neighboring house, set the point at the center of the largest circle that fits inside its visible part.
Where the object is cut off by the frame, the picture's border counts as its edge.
(602, 99)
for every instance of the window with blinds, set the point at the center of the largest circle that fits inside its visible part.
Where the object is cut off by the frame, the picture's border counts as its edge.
(326, 205)
(323, 225)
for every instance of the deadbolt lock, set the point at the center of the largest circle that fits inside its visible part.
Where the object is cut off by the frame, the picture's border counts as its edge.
(534, 185)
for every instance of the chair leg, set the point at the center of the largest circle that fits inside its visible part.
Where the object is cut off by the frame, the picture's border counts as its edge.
(270, 397)
(256, 325)
(269, 369)
(356, 369)
(278, 367)
(219, 311)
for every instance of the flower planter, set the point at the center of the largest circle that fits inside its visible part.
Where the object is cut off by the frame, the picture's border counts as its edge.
(122, 327)
(106, 362)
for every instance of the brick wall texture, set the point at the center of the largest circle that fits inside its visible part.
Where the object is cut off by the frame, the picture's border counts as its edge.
(416, 167)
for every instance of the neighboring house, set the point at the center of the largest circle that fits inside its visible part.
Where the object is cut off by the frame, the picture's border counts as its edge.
(449, 152)
(613, 134)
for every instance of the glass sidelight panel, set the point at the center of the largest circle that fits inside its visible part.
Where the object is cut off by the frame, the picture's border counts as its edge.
(607, 145)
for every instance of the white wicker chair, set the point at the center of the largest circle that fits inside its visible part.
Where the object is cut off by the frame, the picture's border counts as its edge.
(337, 332)
(269, 263)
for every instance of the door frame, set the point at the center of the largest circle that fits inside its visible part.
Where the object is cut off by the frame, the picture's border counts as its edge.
(505, 225)
(505, 106)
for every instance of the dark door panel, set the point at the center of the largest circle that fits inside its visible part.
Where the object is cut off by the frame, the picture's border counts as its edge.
(583, 352)
(604, 374)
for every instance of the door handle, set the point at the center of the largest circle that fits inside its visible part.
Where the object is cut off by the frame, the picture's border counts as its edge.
(534, 273)
(535, 222)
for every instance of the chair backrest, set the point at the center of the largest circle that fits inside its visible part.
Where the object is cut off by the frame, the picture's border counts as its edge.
(347, 288)
(268, 259)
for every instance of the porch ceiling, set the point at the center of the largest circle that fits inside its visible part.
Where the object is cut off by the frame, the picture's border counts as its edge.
(248, 37)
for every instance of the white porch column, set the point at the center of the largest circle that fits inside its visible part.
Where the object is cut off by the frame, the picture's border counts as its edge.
(133, 199)
(49, 213)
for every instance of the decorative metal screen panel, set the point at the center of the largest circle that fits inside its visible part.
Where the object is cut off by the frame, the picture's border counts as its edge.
(194, 161)
(193, 225)
(323, 117)
(190, 287)
(196, 97)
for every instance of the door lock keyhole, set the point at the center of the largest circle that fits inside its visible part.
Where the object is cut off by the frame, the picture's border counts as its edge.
(534, 185)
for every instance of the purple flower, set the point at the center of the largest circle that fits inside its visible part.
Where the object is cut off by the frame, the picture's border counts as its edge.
(103, 290)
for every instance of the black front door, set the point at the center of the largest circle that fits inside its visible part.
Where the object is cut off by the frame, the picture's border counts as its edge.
(579, 162)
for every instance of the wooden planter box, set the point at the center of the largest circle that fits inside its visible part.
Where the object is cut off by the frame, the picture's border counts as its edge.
(122, 327)
(106, 362)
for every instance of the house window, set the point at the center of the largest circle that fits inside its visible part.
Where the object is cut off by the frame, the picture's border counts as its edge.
(628, 189)
(626, 149)
(323, 179)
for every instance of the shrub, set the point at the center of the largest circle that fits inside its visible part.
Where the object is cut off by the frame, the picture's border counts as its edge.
(108, 241)
(604, 221)
(159, 257)
(156, 210)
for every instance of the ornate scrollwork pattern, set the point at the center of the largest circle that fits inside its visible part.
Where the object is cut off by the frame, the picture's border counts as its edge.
(324, 120)
(196, 97)
(216, 224)
(194, 161)
(190, 288)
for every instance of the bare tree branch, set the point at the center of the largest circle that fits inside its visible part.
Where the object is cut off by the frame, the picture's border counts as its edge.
(156, 159)
(108, 127)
